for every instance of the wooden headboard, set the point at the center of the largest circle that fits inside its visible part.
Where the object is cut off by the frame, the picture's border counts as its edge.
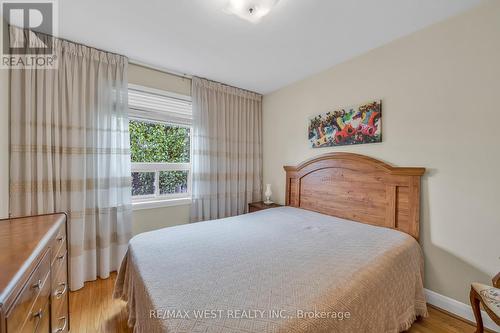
(358, 188)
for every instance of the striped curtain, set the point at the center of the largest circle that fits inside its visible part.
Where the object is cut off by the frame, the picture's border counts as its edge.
(227, 150)
(70, 152)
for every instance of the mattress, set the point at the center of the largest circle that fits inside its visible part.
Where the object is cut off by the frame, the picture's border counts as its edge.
(277, 270)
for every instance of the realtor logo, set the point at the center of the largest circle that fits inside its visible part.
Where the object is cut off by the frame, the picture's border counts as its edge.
(27, 28)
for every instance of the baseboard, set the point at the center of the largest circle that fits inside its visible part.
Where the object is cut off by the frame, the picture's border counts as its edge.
(458, 308)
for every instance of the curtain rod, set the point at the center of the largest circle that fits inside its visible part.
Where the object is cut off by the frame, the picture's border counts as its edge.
(178, 74)
(132, 61)
(160, 69)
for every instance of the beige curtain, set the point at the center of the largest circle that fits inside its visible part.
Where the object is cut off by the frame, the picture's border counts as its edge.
(70, 152)
(227, 150)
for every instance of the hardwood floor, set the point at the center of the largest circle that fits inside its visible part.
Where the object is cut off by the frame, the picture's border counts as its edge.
(93, 310)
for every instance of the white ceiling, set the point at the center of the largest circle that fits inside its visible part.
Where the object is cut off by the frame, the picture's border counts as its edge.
(298, 38)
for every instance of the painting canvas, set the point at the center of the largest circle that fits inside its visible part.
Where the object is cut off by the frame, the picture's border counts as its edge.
(347, 126)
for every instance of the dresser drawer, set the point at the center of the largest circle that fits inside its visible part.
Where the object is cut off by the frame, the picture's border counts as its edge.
(38, 321)
(59, 314)
(60, 263)
(59, 286)
(35, 317)
(44, 325)
(60, 277)
(59, 297)
(59, 242)
(36, 289)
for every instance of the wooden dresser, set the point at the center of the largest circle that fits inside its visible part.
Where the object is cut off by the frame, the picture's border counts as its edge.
(33, 274)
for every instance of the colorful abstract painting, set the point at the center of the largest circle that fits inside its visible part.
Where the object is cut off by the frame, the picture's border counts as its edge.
(347, 126)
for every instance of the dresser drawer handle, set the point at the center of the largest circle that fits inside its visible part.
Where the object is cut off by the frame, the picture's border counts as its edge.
(59, 293)
(38, 316)
(37, 285)
(60, 238)
(63, 327)
(61, 257)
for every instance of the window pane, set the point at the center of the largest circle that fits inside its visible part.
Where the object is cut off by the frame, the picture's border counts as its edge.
(143, 183)
(158, 142)
(173, 182)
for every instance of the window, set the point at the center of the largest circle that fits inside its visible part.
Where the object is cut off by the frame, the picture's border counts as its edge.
(160, 129)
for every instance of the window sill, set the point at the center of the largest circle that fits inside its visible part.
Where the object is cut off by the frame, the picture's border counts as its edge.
(140, 205)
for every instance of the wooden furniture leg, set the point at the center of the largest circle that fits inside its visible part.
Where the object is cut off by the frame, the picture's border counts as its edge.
(475, 303)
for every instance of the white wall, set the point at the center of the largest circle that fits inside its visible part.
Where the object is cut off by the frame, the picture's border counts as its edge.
(151, 219)
(440, 89)
(157, 218)
(4, 143)
(160, 80)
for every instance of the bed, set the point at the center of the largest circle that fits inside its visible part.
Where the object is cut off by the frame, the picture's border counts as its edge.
(341, 256)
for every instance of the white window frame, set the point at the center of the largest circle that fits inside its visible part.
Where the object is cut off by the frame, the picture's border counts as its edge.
(160, 200)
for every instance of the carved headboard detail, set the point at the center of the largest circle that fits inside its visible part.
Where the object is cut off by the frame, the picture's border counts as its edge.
(357, 188)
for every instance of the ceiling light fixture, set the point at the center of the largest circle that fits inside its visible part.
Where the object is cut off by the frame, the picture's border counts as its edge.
(251, 10)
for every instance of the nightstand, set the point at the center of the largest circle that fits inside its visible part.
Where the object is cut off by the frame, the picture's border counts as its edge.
(260, 205)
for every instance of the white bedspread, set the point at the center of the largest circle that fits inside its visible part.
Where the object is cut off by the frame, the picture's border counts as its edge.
(277, 270)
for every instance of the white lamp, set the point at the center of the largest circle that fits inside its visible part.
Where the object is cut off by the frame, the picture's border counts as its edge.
(251, 10)
(268, 194)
